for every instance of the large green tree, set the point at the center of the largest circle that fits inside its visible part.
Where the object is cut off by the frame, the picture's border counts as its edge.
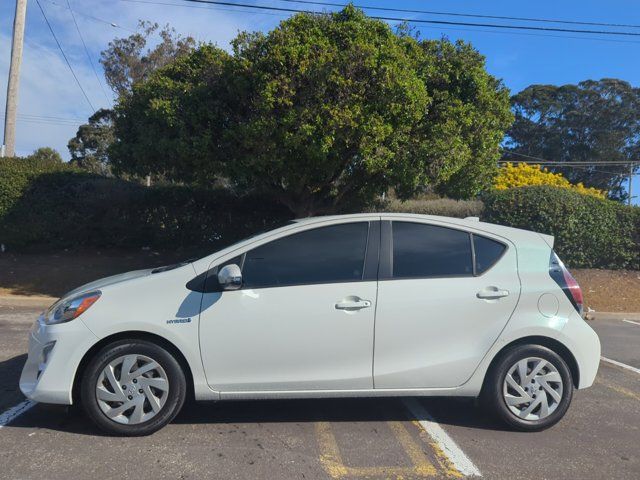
(322, 112)
(89, 148)
(126, 61)
(593, 121)
(460, 135)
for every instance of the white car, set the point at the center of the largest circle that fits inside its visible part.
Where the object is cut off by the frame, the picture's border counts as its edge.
(353, 305)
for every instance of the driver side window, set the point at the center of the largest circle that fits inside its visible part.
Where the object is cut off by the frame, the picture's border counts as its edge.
(332, 254)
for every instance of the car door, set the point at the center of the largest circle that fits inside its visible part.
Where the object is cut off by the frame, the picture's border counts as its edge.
(444, 296)
(303, 318)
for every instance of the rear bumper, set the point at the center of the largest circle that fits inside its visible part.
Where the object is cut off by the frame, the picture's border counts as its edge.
(584, 343)
(55, 351)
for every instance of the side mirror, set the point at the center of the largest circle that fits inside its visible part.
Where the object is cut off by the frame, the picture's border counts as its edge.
(230, 277)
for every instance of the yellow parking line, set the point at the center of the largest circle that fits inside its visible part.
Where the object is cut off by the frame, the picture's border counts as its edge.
(422, 465)
(446, 467)
(333, 464)
(329, 452)
(624, 391)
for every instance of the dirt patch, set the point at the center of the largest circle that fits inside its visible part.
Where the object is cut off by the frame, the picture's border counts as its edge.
(610, 290)
(53, 274)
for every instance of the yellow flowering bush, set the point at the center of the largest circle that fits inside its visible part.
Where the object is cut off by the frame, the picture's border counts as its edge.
(522, 175)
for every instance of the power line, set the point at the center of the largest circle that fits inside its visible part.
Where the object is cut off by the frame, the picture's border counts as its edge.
(433, 22)
(65, 56)
(579, 167)
(91, 17)
(44, 122)
(282, 14)
(467, 15)
(544, 161)
(181, 5)
(48, 117)
(86, 50)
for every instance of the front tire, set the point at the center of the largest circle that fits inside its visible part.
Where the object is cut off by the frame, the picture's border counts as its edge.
(133, 388)
(529, 388)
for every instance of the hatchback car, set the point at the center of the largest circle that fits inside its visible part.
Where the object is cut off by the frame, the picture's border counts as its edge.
(353, 305)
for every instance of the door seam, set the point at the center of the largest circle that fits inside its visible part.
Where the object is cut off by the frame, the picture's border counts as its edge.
(375, 311)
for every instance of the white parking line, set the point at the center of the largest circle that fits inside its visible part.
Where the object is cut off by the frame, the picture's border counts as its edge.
(630, 321)
(455, 454)
(14, 412)
(620, 364)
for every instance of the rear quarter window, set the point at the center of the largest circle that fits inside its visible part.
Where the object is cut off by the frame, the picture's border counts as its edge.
(487, 252)
(424, 251)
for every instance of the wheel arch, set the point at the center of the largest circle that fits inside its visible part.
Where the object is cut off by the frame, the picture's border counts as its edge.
(548, 342)
(132, 335)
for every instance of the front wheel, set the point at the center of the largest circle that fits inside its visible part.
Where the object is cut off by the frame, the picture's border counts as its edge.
(529, 388)
(133, 388)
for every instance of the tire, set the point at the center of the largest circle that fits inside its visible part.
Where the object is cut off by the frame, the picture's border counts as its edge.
(527, 410)
(132, 405)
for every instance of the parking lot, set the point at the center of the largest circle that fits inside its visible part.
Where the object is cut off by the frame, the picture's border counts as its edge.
(337, 438)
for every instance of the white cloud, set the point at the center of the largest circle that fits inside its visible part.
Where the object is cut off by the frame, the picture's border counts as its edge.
(48, 89)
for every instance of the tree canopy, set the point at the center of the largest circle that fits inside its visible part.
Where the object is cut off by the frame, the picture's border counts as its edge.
(46, 154)
(587, 122)
(89, 148)
(128, 60)
(323, 111)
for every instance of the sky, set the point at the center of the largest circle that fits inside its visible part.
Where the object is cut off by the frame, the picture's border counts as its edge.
(51, 105)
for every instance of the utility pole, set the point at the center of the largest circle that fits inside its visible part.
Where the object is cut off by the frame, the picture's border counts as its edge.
(9, 144)
(631, 166)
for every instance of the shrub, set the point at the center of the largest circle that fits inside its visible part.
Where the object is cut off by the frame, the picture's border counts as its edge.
(16, 174)
(522, 175)
(589, 231)
(438, 206)
(59, 209)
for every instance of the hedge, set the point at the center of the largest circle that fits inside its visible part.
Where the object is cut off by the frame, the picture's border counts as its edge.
(446, 207)
(589, 232)
(61, 207)
(50, 205)
(16, 174)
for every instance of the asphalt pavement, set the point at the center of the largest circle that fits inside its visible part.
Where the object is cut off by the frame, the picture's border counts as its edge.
(333, 438)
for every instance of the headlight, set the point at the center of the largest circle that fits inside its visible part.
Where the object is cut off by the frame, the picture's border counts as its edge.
(67, 310)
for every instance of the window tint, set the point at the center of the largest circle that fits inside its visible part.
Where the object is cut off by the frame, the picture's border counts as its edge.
(487, 252)
(322, 255)
(429, 251)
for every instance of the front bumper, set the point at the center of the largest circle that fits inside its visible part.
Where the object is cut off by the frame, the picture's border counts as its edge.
(55, 351)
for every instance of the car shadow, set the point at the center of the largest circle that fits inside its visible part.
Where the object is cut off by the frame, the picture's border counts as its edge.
(9, 376)
(448, 411)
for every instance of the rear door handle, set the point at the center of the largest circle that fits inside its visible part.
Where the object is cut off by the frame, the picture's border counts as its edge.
(492, 293)
(351, 303)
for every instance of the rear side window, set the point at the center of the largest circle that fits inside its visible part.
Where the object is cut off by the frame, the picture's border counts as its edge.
(487, 253)
(323, 255)
(421, 250)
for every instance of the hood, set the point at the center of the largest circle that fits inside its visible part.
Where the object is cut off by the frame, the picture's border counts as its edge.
(103, 282)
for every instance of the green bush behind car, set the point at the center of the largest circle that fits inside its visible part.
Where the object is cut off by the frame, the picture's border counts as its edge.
(45, 204)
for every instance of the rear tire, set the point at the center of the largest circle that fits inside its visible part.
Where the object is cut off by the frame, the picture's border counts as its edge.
(133, 388)
(529, 388)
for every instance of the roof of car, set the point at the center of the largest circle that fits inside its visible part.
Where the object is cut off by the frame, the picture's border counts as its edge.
(387, 215)
(473, 223)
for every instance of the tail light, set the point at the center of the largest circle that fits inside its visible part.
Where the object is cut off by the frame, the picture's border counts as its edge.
(566, 282)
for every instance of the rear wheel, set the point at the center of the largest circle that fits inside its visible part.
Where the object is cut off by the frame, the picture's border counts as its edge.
(132, 388)
(529, 388)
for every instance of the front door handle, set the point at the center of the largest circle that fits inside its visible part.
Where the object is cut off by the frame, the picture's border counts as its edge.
(492, 293)
(353, 303)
